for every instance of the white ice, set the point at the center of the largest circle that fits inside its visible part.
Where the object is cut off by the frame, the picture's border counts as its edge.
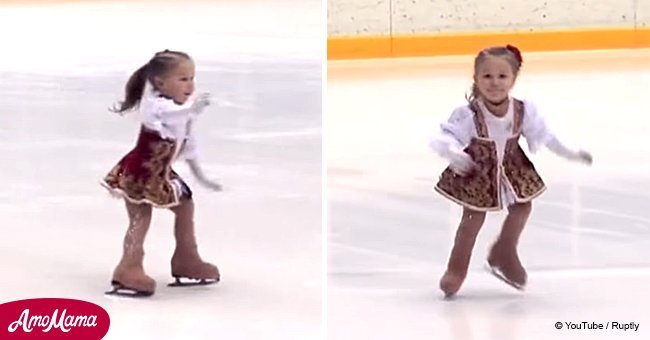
(586, 246)
(63, 65)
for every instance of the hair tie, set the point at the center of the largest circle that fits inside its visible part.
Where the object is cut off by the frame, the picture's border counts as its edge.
(516, 52)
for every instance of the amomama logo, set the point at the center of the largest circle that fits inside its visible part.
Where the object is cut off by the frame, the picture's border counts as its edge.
(64, 319)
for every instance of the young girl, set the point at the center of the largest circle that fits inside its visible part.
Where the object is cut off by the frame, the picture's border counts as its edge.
(488, 169)
(144, 178)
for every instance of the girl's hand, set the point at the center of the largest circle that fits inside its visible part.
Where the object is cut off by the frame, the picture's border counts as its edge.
(201, 102)
(585, 157)
(197, 172)
(462, 164)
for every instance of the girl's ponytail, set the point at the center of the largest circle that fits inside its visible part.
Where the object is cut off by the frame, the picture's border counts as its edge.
(134, 90)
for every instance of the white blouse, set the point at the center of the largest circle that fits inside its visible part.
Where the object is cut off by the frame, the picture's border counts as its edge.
(171, 121)
(456, 133)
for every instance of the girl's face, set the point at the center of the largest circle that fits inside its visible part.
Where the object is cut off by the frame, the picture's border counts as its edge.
(178, 83)
(495, 79)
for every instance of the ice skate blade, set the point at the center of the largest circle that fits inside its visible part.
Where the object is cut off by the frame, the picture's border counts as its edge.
(124, 291)
(499, 275)
(193, 282)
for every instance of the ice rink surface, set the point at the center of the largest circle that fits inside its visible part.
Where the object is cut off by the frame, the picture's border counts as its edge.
(64, 64)
(587, 243)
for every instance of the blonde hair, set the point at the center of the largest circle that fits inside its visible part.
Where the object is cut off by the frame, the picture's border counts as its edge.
(509, 52)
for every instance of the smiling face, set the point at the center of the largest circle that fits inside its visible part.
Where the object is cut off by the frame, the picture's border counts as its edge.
(177, 83)
(494, 78)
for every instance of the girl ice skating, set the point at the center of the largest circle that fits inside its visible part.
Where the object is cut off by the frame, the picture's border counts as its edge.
(488, 170)
(162, 91)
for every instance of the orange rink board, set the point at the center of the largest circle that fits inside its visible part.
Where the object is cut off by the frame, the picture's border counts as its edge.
(366, 47)
(460, 65)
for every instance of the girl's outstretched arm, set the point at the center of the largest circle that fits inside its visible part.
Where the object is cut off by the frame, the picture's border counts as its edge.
(190, 152)
(199, 104)
(197, 172)
(538, 134)
(562, 150)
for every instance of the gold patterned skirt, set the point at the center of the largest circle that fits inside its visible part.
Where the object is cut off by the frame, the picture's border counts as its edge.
(145, 175)
(482, 190)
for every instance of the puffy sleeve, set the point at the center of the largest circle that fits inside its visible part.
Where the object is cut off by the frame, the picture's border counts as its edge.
(159, 114)
(454, 134)
(535, 128)
(538, 135)
(151, 115)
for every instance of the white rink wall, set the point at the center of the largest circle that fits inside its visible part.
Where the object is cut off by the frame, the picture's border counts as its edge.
(388, 17)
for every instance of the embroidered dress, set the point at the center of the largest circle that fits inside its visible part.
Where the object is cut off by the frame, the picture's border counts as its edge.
(504, 174)
(145, 174)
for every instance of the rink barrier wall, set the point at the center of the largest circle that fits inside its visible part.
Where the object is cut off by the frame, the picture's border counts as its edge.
(367, 47)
